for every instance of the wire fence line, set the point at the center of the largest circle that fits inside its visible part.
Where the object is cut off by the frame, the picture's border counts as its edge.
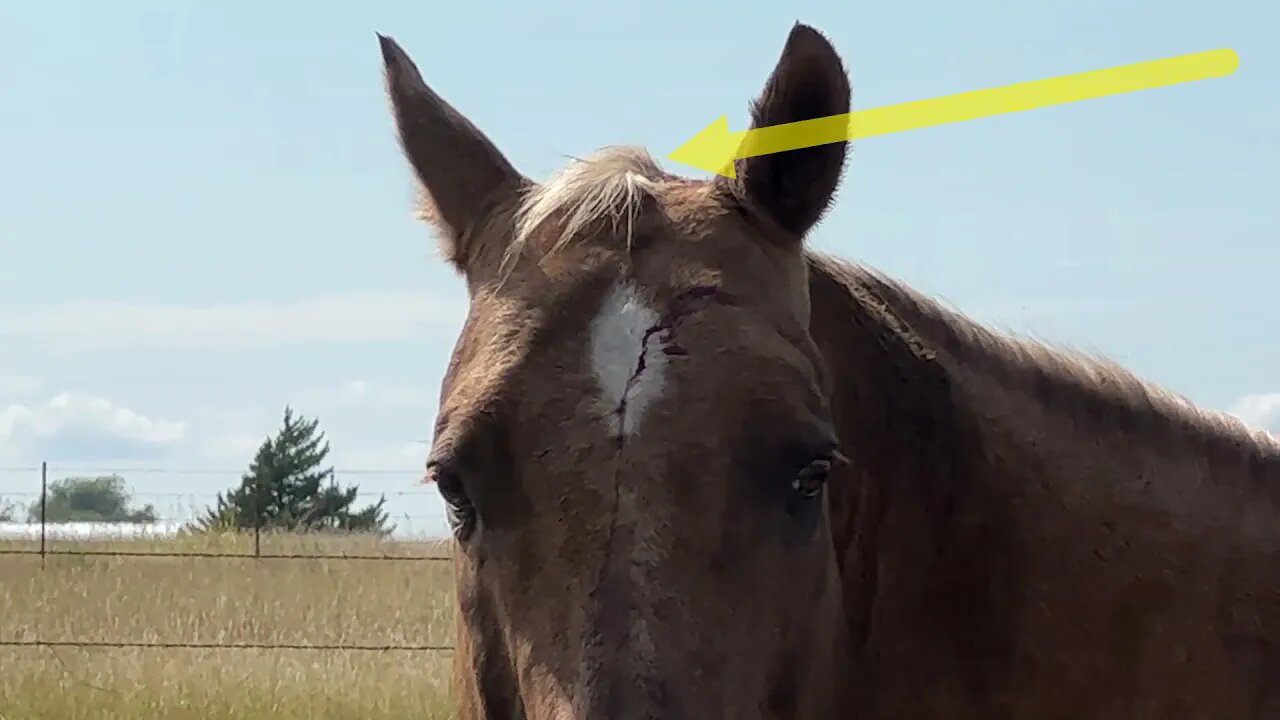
(33, 494)
(414, 512)
(178, 470)
(45, 551)
(147, 645)
(43, 524)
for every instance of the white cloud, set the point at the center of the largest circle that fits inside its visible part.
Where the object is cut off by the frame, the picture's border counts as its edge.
(71, 426)
(67, 410)
(1261, 411)
(354, 317)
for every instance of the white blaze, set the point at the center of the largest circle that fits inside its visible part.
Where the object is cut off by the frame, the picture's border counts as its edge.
(617, 342)
(628, 387)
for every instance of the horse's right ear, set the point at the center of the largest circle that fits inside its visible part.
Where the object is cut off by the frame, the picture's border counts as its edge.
(463, 175)
(796, 187)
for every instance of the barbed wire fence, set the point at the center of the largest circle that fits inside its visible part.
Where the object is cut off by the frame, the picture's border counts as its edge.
(49, 547)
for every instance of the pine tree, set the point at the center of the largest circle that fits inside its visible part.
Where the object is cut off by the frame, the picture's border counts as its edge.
(288, 487)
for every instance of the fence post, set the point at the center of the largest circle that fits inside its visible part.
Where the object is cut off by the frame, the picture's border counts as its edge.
(44, 501)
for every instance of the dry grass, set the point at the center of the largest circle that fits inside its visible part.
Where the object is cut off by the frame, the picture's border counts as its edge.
(226, 600)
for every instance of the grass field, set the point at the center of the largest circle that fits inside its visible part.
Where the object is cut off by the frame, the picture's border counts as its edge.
(214, 600)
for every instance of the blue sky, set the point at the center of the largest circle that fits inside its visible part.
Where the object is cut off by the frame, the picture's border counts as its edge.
(204, 215)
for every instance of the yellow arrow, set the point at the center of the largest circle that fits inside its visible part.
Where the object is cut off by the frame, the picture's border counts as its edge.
(715, 148)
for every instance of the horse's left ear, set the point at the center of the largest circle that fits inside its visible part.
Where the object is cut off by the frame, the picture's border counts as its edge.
(796, 187)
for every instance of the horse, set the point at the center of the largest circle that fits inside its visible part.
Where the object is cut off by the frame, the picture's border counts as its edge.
(694, 468)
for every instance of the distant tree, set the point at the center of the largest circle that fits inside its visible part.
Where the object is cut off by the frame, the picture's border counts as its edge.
(90, 499)
(288, 487)
(8, 511)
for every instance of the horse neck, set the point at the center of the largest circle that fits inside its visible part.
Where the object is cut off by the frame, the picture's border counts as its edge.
(997, 488)
(894, 411)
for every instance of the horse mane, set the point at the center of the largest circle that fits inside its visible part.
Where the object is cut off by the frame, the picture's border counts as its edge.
(1069, 375)
(613, 182)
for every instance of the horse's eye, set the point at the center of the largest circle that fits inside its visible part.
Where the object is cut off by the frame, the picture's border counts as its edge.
(808, 483)
(461, 513)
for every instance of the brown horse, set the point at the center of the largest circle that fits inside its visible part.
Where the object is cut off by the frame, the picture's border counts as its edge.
(695, 470)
